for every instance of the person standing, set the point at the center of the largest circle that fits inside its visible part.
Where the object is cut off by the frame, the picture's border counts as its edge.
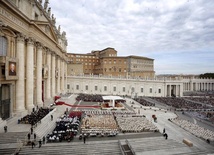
(34, 136)
(40, 143)
(28, 135)
(31, 129)
(164, 130)
(84, 138)
(5, 128)
(33, 144)
(51, 117)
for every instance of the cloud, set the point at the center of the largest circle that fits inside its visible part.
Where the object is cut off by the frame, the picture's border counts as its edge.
(141, 27)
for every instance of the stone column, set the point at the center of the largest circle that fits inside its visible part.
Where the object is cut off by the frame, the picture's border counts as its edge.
(63, 77)
(29, 74)
(53, 75)
(20, 83)
(65, 90)
(48, 86)
(39, 75)
(58, 78)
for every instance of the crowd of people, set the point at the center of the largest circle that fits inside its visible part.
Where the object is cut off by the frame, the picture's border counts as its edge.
(67, 126)
(89, 98)
(205, 100)
(133, 123)
(97, 122)
(180, 103)
(35, 116)
(144, 102)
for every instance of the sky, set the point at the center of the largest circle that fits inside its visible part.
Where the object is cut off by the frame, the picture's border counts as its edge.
(177, 34)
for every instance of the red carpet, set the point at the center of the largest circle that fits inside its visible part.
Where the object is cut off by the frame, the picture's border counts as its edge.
(78, 106)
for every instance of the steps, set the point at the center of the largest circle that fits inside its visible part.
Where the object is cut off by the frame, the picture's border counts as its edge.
(77, 148)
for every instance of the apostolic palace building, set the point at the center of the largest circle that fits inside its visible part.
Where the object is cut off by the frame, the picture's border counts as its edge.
(35, 65)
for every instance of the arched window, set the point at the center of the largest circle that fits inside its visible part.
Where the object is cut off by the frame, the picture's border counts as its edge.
(3, 46)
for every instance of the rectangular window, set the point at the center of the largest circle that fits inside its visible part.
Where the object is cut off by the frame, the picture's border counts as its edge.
(124, 89)
(141, 90)
(68, 86)
(95, 88)
(114, 88)
(105, 88)
(159, 90)
(77, 87)
(86, 87)
(150, 90)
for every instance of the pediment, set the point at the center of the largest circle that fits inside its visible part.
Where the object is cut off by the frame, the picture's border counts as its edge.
(48, 29)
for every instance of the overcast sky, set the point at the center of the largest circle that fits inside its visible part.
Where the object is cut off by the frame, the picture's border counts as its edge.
(178, 34)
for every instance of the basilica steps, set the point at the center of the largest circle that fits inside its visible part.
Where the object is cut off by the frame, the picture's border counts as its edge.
(77, 148)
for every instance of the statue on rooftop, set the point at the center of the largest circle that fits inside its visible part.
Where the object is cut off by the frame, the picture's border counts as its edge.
(46, 4)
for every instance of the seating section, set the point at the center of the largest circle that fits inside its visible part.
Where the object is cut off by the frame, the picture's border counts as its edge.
(129, 123)
(89, 98)
(35, 116)
(67, 127)
(99, 123)
(194, 129)
(77, 148)
(181, 103)
(144, 102)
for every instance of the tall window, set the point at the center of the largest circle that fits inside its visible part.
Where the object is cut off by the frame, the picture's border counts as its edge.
(68, 86)
(86, 87)
(105, 88)
(95, 87)
(141, 90)
(150, 90)
(159, 90)
(124, 89)
(3, 46)
(77, 87)
(114, 88)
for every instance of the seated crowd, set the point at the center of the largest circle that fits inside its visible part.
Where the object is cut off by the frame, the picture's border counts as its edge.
(67, 126)
(89, 98)
(144, 102)
(180, 103)
(195, 129)
(133, 123)
(35, 116)
(97, 122)
(205, 100)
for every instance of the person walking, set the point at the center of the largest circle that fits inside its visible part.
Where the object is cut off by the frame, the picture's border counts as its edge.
(51, 117)
(84, 138)
(164, 130)
(43, 139)
(28, 135)
(34, 136)
(40, 143)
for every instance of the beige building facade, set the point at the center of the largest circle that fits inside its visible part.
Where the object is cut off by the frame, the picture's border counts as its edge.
(107, 63)
(33, 56)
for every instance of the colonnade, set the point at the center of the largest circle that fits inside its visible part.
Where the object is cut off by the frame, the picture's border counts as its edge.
(32, 85)
(199, 86)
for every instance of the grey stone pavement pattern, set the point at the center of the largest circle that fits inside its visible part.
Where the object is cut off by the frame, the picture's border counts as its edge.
(173, 131)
